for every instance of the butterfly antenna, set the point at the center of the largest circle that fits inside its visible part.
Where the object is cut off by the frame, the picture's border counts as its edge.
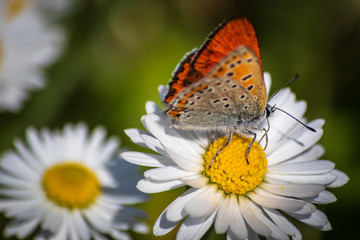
(286, 85)
(308, 127)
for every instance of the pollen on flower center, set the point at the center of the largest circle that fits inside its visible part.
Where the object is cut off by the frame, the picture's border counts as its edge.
(71, 185)
(230, 171)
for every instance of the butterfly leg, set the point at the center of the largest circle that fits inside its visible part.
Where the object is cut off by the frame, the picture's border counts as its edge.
(265, 134)
(249, 147)
(218, 152)
(266, 137)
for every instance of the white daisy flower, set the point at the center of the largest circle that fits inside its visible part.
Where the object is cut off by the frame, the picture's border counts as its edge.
(240, 199)
(64, 184)
(27, 45)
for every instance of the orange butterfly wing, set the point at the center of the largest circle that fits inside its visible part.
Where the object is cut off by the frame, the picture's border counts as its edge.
(225, 39)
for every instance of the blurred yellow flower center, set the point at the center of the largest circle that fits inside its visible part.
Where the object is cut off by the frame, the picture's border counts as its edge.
(230, 171)
(14, 8)
(71, 185)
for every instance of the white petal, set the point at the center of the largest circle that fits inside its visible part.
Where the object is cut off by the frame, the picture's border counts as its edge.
(324, 197)
(153, 108)
(21, 194)
(140, 228)
(149, 186)
(300, 179)
(147, 159)
(267, 80)
(341, 179)
(312, 153)
(108, 150)
(145, 140)
(184, 152)
(17, 183)
(154, 144)
(293, 190)
(118, 235)
(80, 225)
(162, 225)
(283, 223)
(98, 218)
(175, 211)
(36, 146)
(195, 228)
(316, 219)
(21, 228)
(167, 173)
(310, 167)
(54, 217)
(292, 148)
(237, 223)
(27, 157)
(196, 181)
(22, 209)
(276, 232)
(163, 91)
(251, 218)
(270, 200)
(205, 203)
(12, 164)
(222, 220)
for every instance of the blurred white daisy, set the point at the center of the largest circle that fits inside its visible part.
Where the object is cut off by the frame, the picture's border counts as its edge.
(27, 46)
(63, 186)
(240, 199)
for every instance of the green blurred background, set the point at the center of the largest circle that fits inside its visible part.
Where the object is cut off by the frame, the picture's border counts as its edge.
(120, 51)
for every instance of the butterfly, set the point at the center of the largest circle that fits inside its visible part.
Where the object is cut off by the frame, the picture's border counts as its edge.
(220, 87)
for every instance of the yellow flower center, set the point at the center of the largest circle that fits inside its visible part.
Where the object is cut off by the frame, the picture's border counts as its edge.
(14, 8)
(71, 185)
(230, 170)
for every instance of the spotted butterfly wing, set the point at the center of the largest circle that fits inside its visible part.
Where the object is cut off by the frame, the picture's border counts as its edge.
(229, 98)
(226, 38)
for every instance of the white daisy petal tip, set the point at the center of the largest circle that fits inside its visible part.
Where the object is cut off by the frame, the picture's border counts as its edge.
(341, 179)
(152, 108)
(83, 164)
(163, 91)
